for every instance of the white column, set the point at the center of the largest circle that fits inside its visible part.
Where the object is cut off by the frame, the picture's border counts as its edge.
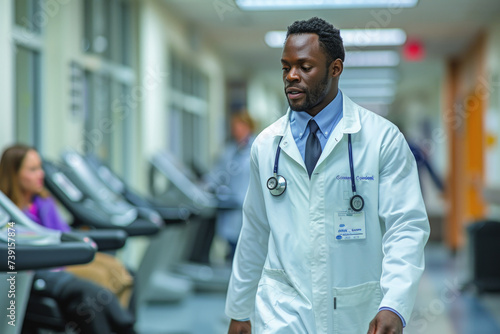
(7, 119)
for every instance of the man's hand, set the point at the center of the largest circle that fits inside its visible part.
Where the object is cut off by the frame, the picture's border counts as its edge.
(240, 327)
(386, 322)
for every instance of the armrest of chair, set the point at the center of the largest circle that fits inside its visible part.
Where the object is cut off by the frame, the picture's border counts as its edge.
(106, 239)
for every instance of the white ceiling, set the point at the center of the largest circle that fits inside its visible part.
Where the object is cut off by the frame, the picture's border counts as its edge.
(445, 27)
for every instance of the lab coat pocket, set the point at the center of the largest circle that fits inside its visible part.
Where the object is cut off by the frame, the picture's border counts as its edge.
(354, 307)
(274, 299)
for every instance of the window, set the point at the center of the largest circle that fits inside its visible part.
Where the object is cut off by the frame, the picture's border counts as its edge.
(29, 15)
(188, 114)
(98, 123)
(108, 29)
(26, 33)
(108, 114)
(27, 97)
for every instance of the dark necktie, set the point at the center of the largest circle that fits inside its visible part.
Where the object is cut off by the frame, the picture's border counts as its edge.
(313, 147)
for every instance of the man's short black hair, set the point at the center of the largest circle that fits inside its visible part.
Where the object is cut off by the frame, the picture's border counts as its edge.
(329, 36)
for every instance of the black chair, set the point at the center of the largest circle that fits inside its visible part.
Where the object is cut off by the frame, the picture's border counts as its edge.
(92, 205)
(484, 245)
(184, 189)
(43, 312)
(35, 248)
(171, 214)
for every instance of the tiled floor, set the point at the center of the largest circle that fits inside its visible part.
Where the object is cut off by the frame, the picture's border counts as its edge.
(444, 307)
(199, 313)
(441, 308)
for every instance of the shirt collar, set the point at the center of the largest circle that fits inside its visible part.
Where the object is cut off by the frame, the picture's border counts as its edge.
(324, 118)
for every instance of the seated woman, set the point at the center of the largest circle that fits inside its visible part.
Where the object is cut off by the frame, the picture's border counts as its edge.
(89, 307)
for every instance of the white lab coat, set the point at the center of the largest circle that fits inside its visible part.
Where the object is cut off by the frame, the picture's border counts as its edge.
(290, 274)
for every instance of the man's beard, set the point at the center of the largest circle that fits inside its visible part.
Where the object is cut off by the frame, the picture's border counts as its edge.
(313, 97)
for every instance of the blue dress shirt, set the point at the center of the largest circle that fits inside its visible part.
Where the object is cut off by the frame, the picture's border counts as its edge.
(327, 119)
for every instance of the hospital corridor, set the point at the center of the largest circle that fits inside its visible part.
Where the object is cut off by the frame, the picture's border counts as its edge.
(249, 166)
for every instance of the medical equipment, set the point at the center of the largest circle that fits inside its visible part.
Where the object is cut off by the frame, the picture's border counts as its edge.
(357, 202)
(277, 183)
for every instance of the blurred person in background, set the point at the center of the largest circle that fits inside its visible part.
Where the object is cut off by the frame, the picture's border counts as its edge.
(424, 163)
(93, 308)
(230, 176)
(421, 147)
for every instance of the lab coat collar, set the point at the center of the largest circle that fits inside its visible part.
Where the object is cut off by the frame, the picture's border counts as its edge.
(289, 146)
(349, 123)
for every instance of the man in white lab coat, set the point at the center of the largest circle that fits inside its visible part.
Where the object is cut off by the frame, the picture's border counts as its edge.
(318, 258)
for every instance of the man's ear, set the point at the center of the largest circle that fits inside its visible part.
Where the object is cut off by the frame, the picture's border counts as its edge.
(336, 68)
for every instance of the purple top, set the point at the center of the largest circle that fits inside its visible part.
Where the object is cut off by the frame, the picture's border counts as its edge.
(44, 212)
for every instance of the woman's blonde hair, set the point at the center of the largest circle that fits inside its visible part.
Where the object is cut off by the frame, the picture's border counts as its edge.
(244, 117)
(10, 165)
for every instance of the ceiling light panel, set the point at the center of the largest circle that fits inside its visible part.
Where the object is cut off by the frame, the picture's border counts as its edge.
(371, 59)
(275, 39)
(353, 73)
(372, 37)
(322, 4)
(366, 82)
(351, 37)
(369, 92)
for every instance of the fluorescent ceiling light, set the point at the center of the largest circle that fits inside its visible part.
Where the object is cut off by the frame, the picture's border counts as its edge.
(366, 82)
(351, 37)
(356, 73)
(321, 4)
(371, 59)
(373, 37)
(369, 92)
(275, 39)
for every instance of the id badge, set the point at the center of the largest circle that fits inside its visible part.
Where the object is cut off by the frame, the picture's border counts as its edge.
(350, 225)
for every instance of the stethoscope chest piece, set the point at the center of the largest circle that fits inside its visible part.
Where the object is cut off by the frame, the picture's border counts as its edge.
(276, 185)
(357, 203)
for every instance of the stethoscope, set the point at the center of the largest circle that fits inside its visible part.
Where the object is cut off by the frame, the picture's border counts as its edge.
(277, 183)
